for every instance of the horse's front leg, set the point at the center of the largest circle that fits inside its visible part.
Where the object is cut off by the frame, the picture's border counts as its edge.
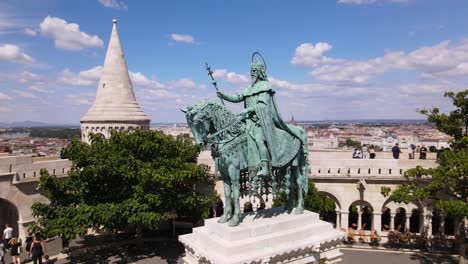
(234, 174)
(227, 200)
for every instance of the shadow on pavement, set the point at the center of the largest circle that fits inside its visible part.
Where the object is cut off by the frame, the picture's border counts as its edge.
(427, 258)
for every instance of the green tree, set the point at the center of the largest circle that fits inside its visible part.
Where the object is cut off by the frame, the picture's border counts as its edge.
(141, 178)
(351, 143)
(448, 184)
(314, 201)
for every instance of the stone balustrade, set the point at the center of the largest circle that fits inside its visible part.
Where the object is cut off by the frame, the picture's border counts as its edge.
(363, 168)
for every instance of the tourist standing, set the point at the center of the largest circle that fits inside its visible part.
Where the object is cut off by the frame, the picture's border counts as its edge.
(37, 250)
(7, 235)
(47, 260)
(365, 152)
(411, 150)
(29, 240)
(356, 154)
(422, 152)
(15, 250)
(396, 151)
(2, 254)
(371, 152)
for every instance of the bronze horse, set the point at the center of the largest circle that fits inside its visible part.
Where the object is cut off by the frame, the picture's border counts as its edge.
(214, 124)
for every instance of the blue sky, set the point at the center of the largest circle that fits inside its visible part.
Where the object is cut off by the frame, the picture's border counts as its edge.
(327, 59)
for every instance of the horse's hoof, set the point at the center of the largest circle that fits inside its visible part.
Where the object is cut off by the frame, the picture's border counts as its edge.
(234, 221)
(298, 210)
(223, 219)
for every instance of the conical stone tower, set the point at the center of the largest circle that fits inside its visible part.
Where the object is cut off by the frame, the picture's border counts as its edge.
(115, 106)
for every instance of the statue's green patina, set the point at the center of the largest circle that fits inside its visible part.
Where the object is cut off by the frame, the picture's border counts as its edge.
(257, 142)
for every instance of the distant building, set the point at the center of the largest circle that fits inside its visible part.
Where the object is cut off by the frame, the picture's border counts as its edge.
(115, 106)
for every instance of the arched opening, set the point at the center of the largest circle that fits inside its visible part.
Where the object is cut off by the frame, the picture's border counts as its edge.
(400, 219)
(332, 204)
(415, 221)
(449, 225)
(353, 217)
(366, 218)
(360, 216)
(386, 219)
(9, 215)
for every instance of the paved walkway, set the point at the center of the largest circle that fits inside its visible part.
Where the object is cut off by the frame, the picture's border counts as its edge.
(163, 250)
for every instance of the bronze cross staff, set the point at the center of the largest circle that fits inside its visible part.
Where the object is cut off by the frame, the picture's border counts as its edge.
(213, 81)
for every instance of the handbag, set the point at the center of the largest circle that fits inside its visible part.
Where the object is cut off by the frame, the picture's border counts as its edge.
(19, 249)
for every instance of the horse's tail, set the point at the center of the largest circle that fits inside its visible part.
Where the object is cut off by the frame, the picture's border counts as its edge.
(304, 160)
(305, 155)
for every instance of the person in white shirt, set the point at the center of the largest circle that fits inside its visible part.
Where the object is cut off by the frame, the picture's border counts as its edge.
(7, 235)
(365, 151)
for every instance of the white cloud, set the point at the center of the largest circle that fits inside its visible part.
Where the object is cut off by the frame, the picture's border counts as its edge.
(14, 54)
(33, 81)
(80, 99)
(231, 77)
(4, 97)
(308, 54)
(114, 4)
(140, 80)
(25, 94)
(439, 61)
(185, 83)
(68, 35)
(83, 78)
(182, 38)
(30, 32)
(364, 2)
(4, 109)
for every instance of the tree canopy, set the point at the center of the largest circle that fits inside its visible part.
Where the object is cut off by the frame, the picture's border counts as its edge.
(448, 185)
(140, 178)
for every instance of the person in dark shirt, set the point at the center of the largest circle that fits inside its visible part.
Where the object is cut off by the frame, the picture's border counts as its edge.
(422, 152)
(396, 151)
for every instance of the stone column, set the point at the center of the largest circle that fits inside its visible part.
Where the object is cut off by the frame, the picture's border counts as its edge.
(392, 221)
(377, 222)
(359, 220)
(407, 225)
(427, 224)
(344, 219)
(338, 219)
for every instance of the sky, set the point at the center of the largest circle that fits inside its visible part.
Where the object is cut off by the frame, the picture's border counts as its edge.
(326, 59)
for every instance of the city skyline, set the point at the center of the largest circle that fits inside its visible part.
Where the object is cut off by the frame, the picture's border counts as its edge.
(327, 60)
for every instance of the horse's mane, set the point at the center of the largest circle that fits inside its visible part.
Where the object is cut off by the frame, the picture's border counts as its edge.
(221, 117)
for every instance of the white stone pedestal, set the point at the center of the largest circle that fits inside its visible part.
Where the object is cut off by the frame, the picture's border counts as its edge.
(268, 236)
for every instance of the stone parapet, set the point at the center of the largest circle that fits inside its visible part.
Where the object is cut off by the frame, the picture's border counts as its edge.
(25, 170)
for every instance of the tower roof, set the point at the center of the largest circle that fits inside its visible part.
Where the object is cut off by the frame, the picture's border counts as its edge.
(115, 99)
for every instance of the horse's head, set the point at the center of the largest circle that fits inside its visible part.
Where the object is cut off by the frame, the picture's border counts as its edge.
(199, 119)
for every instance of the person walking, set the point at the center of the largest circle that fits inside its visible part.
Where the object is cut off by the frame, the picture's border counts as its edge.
(371, 152)
(396, 151)
(37, 250)
(29, 240)
(422, 152)
(7, 235)
(15, 250)
(365, 152)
